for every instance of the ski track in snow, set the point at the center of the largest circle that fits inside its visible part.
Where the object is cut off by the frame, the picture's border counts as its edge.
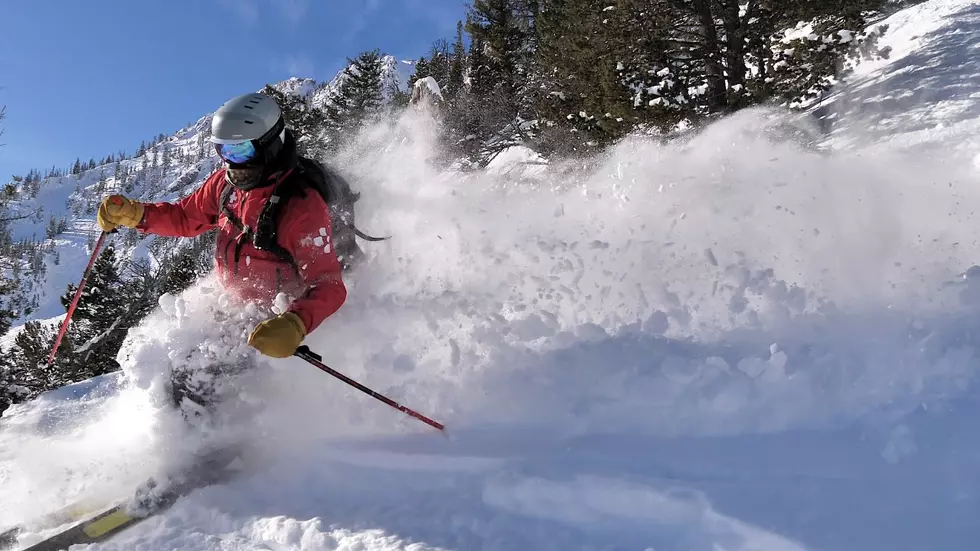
(727, 344)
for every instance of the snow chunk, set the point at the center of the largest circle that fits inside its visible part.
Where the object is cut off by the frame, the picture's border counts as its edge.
(167, 303)
(180, 307)
(281, 303)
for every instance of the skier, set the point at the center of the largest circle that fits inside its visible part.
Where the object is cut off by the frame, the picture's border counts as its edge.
(273, 236)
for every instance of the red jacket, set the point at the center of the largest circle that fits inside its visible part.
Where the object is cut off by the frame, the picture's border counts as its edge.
(304, 231)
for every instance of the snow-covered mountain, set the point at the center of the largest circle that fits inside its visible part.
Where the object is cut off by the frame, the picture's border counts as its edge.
(730, 343)
(394, 78)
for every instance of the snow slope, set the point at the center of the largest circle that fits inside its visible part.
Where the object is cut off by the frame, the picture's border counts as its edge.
(732, 343)
(924, 99)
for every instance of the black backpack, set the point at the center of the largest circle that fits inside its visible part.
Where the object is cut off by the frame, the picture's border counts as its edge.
(336, 193)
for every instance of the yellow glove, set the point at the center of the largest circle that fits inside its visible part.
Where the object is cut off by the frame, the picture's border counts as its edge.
(117, 210)
(278, 337)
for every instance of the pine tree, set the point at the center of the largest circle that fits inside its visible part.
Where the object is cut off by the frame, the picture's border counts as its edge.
(501, 71)
(202, 145)
(7, 314)
(800, 69)
(29, 355)
(359, 99)
(439, 62)
(165, 159)
(690, 59)
(421, 71)
(14, 378)
(52, 228)
(469, 123)
(100, 186)
(400, 99)
(96, 320)
(580, 99)
(307, 122)
(182, 272)
(8, 395)
(457, 66)
(490, 24)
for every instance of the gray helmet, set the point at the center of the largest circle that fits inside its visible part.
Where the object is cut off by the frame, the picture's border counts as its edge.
(247, 117)
(248, 133)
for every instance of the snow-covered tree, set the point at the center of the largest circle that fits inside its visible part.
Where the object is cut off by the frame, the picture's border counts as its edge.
(96, 321)
(182, 272)
(28, 359)
(51, 230)
(7, 314)
(12, 389)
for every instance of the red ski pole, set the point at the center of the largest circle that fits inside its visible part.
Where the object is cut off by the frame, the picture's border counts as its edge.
(78, 295)
(315, 359)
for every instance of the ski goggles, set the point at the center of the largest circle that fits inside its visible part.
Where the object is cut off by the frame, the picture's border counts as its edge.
(236, 153)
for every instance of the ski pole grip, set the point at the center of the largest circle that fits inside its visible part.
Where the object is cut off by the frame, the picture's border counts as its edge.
(305, 352)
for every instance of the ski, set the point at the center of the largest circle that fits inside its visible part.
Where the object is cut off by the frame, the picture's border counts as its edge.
(102, 526)
(70, 513)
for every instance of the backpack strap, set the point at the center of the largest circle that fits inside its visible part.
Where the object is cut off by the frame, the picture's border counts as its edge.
(244, 233)
(223, 205)
(264, 237)
(334, 190)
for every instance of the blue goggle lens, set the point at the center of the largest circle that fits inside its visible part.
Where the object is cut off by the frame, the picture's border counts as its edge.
(238, 153)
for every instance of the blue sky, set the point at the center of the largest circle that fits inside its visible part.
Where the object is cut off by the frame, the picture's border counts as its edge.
(88, 78)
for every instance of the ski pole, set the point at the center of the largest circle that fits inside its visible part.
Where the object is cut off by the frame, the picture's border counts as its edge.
(315, 359)
(78, 295)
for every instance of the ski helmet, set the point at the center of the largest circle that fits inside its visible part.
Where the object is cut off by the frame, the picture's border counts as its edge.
(248, 130)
